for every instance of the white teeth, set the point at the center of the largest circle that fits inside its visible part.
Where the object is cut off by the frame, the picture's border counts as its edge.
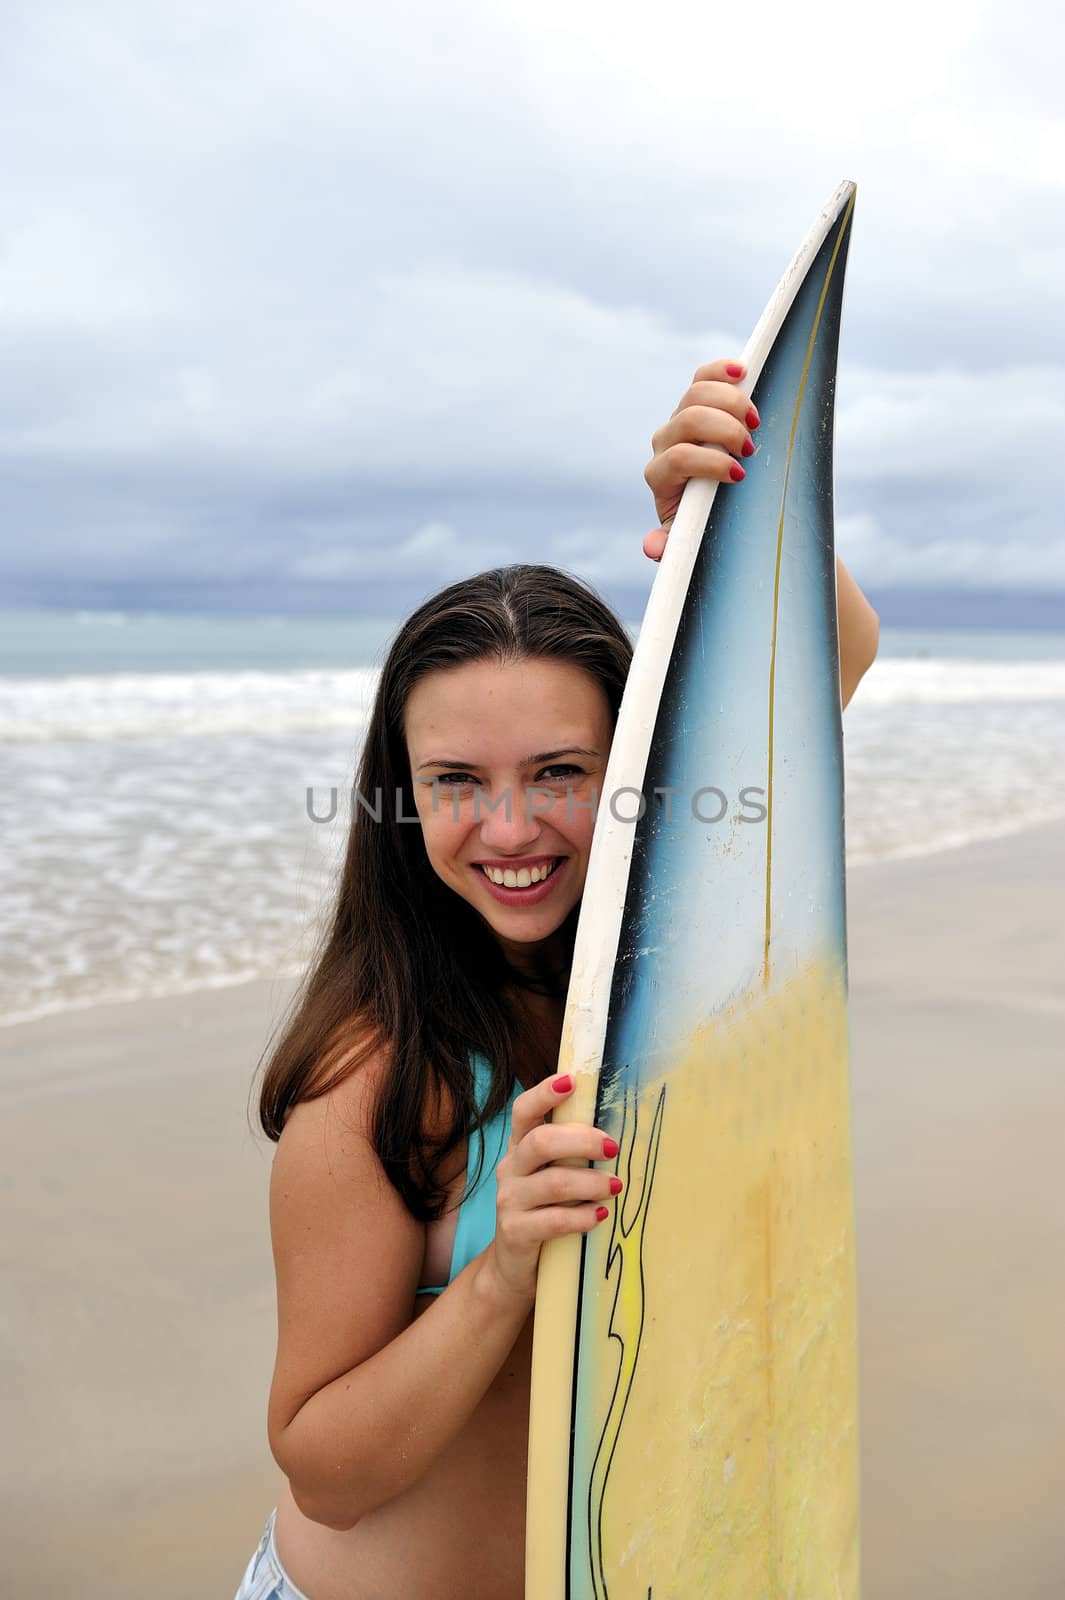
(523, 878)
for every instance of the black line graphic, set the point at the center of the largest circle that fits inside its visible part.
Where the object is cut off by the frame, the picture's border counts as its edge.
(625, 1267)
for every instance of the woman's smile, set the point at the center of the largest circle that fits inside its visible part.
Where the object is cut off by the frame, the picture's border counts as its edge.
(524, 882)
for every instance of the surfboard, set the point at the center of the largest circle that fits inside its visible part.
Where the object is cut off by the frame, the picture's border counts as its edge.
(694, 1409)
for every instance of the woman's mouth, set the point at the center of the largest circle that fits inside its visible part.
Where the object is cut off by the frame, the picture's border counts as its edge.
(524, 885)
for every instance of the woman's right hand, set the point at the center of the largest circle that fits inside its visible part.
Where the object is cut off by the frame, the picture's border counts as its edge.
(537, 1199)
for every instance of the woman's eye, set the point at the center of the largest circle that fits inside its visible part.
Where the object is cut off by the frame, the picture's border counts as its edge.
(556, 774)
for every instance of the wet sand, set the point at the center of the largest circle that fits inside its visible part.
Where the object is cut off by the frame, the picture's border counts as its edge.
(137, 1323)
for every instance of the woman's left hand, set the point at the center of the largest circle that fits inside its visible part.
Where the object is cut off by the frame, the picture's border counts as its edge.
(710, 428)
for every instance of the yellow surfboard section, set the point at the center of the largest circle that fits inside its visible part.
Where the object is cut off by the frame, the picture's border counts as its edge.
(722, 1405)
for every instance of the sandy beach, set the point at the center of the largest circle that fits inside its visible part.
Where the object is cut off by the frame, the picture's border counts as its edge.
(138, 1310)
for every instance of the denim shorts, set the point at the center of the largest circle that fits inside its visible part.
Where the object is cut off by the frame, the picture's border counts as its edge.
(266, 1578)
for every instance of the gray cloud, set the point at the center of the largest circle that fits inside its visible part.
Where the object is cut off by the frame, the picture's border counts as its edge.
(333, 306)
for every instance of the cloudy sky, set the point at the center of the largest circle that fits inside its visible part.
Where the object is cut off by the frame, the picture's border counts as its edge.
(322, 305)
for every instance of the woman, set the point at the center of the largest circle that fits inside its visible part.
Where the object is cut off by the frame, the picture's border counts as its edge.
(419, 1060)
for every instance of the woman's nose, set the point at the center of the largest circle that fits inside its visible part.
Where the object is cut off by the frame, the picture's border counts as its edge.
(506, 820)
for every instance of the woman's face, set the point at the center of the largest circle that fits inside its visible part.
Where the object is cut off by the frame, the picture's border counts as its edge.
(507, 764)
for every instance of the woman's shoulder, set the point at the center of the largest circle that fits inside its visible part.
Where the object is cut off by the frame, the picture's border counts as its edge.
(326, 1154)
(352, 1073)
(350, 1068)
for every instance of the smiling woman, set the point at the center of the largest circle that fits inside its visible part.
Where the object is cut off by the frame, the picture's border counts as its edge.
(518, 657)
(418, 1170)
(420, 1047)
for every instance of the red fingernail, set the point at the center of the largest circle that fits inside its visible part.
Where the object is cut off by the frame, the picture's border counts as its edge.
(616, 1186)
(734, 370)
(736, 472)
(748, 448)
(601, 1213)
(753, 419)
(563, 1085)
(610, 1147)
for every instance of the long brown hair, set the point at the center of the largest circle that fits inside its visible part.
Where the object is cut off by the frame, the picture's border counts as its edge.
(406, 961)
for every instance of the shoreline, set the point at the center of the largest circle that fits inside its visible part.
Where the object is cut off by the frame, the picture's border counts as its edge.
(58, 1008)
(138, 1336)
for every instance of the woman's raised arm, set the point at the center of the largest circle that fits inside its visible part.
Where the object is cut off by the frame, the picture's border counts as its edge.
(859, 632)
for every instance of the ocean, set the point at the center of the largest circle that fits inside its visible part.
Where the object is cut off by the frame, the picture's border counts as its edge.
(162, 777)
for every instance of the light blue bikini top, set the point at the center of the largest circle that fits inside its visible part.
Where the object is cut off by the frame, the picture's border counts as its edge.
(475, 1226)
